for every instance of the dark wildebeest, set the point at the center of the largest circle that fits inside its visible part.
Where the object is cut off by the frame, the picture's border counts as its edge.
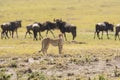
(5, 30)
(104, 26)
(28, 28)
(65, 27)
(36, 27)
(14, 26)
(10, 27)
(117, 30)
(49, 26)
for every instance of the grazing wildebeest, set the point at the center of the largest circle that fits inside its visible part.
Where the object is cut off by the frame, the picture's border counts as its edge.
(117, 30)
(65, 27)
(104, 26)
(10, 27)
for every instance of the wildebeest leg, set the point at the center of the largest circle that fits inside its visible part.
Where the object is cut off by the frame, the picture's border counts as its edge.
(2, 33)
(7, 34)
(98, 35)
(30, 33)
(74, 35)
(47, 33)
(27, 33)
(52, 33)
(65, 36)
(12, 34)
(40, 36)
(115, 37)
(107, 35)
(35, 35)
(16, 33)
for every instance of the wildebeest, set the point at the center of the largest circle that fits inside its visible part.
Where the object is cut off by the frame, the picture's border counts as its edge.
(117, 30)
(5, 28)
(10, 27)
(104, 26)
(40, 27)
(36, 28)
(49, 26)
(65, 27)
(28, 28)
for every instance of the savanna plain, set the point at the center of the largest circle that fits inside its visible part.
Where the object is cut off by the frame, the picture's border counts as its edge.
(85, 58)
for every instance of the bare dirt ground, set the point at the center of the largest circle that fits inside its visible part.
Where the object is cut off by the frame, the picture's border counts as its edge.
(61, 67)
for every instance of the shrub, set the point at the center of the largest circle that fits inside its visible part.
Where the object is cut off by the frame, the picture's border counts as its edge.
(37, 76)
(116, 72)
(101, 77)
(4, 76)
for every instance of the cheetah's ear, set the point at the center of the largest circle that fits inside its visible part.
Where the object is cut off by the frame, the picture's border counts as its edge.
(60, 35)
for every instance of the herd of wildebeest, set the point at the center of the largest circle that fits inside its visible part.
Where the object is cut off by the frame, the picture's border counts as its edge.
(9, 28)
